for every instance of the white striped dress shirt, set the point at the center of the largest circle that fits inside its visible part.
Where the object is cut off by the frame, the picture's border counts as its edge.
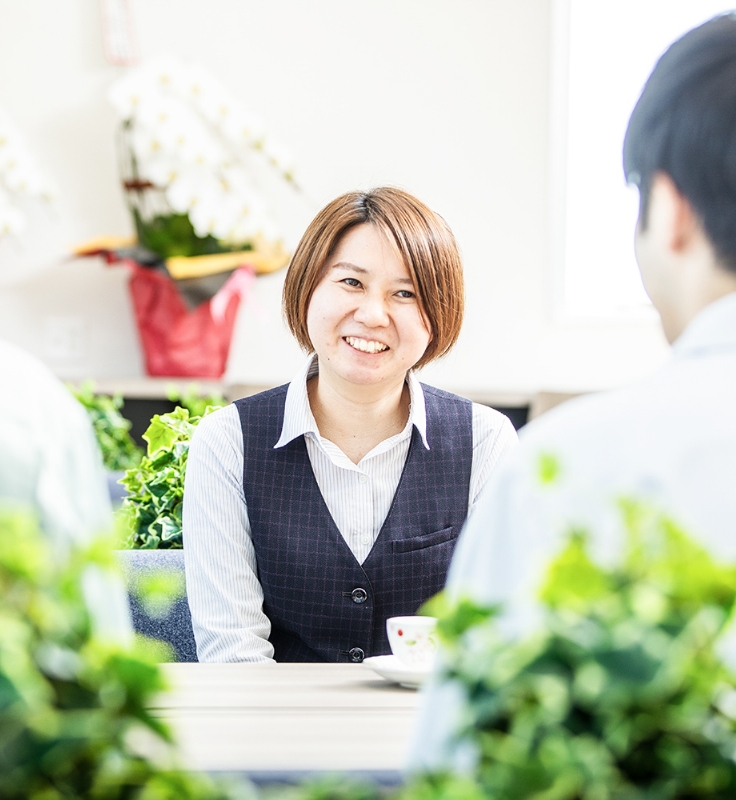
(223, 590)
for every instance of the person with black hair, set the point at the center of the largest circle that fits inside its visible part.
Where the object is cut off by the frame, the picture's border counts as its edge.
(669, 440)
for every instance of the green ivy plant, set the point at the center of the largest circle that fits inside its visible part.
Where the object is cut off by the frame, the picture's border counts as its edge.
(194, 401)
(621, 696)
(156, 486)
(68, 700)
(119, 451)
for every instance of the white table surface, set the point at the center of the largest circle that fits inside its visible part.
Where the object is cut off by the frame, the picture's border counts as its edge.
(287, 718)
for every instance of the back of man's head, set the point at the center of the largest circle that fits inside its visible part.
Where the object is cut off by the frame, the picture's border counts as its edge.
(684, 124)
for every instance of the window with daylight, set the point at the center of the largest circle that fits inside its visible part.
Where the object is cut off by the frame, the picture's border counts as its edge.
(602, 55)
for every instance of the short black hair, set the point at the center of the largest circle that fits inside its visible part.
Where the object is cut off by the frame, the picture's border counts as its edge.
(684, 124)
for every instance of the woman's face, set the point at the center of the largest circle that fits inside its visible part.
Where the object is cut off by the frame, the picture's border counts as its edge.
(364, 318)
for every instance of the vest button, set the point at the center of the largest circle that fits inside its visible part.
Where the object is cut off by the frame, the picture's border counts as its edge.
(356, 654)
(359, 595)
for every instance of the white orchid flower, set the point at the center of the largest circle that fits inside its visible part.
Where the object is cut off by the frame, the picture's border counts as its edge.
(159, 110)
(200, 88)
(19, 173)
(10, 154)
(202, 149)
(161, 169)
(147, 143)
(243, 130)
(24, 178)
(165, 73)
(12, 222)
(214, 215)
(281, 158)
(193, 186)
(255, 226)
(130, 93)
(191, 137)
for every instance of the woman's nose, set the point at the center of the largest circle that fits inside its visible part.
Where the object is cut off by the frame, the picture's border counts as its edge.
(372, 312)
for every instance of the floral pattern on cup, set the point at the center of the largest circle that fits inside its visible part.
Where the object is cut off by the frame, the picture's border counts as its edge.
(412, 639)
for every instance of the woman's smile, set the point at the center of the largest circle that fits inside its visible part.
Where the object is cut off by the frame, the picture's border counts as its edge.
(365, 345)
(364, 319)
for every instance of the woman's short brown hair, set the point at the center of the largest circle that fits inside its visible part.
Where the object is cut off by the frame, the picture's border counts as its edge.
(423, 240)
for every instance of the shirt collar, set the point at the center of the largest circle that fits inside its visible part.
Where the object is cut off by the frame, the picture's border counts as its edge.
(714, 328)
(299, 420)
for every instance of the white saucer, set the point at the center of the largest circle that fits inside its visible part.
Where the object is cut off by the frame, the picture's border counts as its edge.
(394, 670)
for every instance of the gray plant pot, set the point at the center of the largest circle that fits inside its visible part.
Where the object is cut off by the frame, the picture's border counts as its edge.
(176, 626)
(117, 491)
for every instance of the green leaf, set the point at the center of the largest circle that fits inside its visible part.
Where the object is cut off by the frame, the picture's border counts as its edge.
(454, 617)
(197, 405)
(173, 235)
(119, 451)
(156, 486)
(548, 468)
(170, 529)
(161, 434)
(573, 580)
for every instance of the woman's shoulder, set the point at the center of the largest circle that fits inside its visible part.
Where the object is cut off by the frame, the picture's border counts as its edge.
(443, 396)
(479, 409)
(487, 421)
(222, 422)
(262, 399)
(490, 422)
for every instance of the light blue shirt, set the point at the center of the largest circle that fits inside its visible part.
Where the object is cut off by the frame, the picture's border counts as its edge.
(50, 463)
(669, 440)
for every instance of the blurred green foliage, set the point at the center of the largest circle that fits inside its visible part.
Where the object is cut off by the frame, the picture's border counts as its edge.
(155, 487)
(69, 701)
(158, 590)
(620, 695)
(549, 468)
(328, 787)
(194, 401)
(119, 451)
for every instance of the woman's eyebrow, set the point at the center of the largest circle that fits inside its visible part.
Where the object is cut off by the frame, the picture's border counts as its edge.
(351, 267)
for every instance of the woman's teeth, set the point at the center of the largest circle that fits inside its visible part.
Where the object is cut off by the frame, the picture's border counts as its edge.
(365, 345)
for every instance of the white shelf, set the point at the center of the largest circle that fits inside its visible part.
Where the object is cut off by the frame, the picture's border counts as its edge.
(157, 388)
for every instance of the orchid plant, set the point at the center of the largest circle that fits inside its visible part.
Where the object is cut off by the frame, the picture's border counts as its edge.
(20, 178)
(190, 138)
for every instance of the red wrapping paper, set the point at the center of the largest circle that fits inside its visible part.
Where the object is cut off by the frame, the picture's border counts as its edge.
(178, 342)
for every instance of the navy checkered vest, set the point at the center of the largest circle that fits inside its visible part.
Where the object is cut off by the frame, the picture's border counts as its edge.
(324, 605)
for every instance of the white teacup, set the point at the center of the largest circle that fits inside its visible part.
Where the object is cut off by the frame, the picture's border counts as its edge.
(412, 639)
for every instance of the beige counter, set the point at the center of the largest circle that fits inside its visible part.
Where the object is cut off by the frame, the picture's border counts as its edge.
(287, 718)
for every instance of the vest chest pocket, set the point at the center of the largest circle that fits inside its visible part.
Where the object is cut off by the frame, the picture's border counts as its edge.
(423, 541)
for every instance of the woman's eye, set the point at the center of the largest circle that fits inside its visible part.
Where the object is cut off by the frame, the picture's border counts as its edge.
(351, 281)
(405, 293)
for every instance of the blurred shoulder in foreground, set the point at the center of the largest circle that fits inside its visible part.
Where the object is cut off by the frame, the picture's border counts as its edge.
(669, 441)
(50, 458)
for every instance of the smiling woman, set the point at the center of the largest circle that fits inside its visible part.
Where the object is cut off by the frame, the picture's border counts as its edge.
(315, 511)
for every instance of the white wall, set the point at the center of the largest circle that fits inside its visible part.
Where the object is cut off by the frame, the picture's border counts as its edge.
(449, 100)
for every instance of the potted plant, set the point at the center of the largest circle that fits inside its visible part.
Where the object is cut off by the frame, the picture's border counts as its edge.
(154, 558)
(194, 165)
